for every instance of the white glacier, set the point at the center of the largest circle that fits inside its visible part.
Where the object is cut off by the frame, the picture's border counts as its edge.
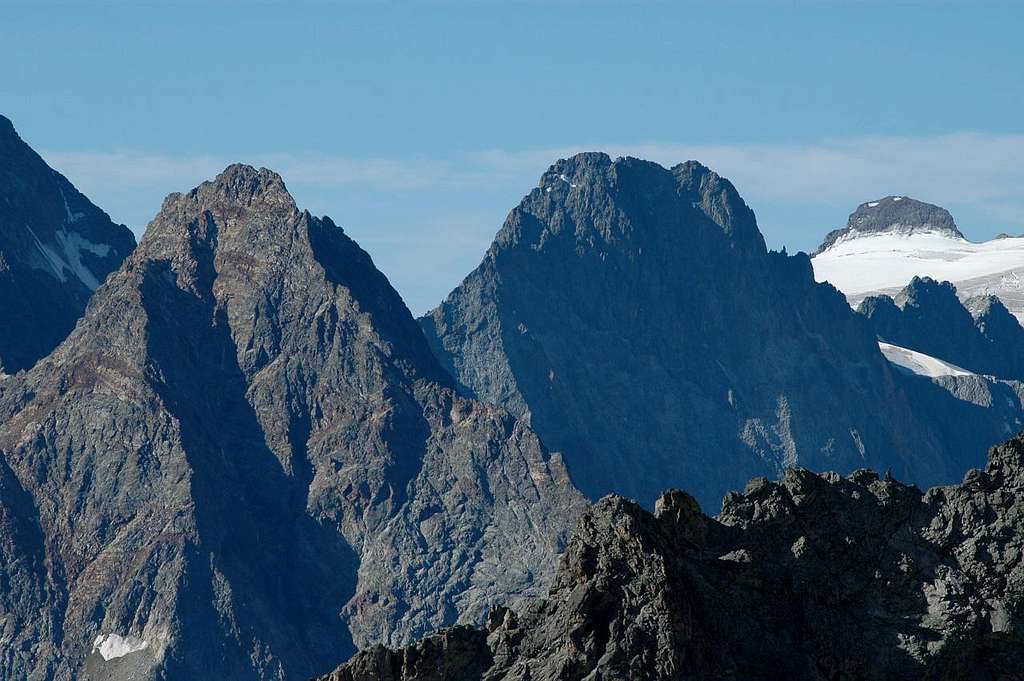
(867, 264)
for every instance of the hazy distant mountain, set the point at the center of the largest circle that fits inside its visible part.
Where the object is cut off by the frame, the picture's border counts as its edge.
(633, 314)
(814, 577)
(55, 249)
(245, 461)
(888, 242)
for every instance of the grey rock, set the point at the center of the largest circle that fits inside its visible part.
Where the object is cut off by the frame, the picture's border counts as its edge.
(634, 316)
(894, 214)
(812, 577)
(245, 462)
(56, 247)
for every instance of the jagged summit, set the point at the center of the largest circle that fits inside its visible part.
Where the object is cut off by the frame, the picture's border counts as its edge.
(927, 316)
(573, 185)
(926, 291)
(243, 182)
(896, 214)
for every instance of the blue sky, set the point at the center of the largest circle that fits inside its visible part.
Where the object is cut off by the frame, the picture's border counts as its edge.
(418, 126)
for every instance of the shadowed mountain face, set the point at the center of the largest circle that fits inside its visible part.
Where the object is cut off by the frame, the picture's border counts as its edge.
(244, 462)
(980, 335)
(814, 577)
(634, 316)
(55, 249)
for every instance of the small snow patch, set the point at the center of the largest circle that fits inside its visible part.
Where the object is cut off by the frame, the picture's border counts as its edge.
(872, 204)
(897, 198)
(113, 646)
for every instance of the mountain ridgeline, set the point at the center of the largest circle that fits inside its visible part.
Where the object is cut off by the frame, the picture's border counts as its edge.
(634, 316)
(979, 334)
(245, 459)
(245, 462)
(56, 247)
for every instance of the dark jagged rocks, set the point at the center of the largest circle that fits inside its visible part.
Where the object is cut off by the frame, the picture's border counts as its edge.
(245, 462)
(633, 314)
(980, 335)
(812, 577)
(894, 214)
(55, 249)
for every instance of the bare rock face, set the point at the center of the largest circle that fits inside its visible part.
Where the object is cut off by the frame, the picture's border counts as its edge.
(633, 314)
(55, 249)
(244, 462)
(812, 577)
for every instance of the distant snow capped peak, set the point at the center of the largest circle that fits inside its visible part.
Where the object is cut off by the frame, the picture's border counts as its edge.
(893, 214)
(887, 242)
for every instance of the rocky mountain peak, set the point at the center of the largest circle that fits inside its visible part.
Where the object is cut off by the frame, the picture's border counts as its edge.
(896, 214)
(574, 184)
(621, 292)
(927, 291)
(245, 184)
(249, 427)
(238, 190)
(584, 165)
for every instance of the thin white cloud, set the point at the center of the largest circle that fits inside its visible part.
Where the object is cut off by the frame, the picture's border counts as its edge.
(952, 168)
(959, 167)
(132, 169)
(977, 172)
(94, 169)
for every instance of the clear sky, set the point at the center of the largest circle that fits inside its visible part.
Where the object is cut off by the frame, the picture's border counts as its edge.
(418, 126)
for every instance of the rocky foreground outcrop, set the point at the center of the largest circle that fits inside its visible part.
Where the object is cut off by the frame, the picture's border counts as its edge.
(56, 248)
(812, 577)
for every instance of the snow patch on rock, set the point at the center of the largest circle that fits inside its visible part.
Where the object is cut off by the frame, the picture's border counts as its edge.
(113, 646)
(66, 256)
(919, 363)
